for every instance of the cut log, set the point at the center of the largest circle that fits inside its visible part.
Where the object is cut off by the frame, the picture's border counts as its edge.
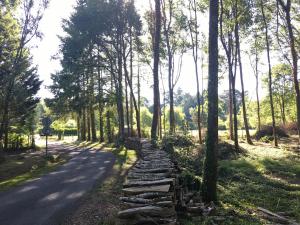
(151, 211)
(153, 164)
(164, 204)
(153, 195)
(148, 177)
(275, 217)
(137, 190)
(137, 183)
(136, 200)
(156, 170)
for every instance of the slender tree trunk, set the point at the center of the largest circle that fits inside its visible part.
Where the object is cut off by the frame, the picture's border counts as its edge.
(228, 49)
(256, 88)
(83, 126)
(166, 29)
(131, 82)
(127, 105)
(209, 187)
(193, 7)
(230, 107)
(235, 121)
(269, 75)
(89, 137)
(120, 91)
(139, 96)
(78, 127)
(134, 101)
(108, 127)
(92, 112)
(287, 9)
(155, 71)
(6, 135)
(249, 141)
(100, 104)
(93, 125)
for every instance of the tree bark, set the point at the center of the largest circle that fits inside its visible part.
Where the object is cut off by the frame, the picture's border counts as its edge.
(256, 87)
(209, 187)
(100, 103)
(237, 38)
(166, 29)
(269, 74)
(195, 57)
(131, 82)
(155, 71)
(287, 9)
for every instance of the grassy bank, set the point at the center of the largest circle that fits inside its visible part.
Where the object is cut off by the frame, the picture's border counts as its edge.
(17, 169)
(263, 176)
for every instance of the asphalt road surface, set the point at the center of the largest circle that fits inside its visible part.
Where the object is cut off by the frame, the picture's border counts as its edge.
(47, 200)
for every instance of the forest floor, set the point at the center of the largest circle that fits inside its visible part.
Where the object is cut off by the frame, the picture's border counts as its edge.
(262, 176)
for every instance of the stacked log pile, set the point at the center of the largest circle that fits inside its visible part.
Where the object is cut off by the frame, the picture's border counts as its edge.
(149, 190)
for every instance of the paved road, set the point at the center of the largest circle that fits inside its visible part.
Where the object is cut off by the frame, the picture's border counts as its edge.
(47, 200)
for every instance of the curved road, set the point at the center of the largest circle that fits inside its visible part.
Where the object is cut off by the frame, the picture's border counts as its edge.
(47, 200)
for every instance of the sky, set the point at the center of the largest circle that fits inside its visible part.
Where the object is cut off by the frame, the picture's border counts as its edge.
(51, 27)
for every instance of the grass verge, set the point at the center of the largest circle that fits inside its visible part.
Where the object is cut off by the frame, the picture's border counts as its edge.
(21, 168)
(263, 176)
(101, 205)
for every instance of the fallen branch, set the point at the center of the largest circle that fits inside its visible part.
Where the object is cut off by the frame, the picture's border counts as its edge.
(276, 217)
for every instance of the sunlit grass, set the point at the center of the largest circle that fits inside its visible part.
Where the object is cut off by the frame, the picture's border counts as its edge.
(37, 169)
(265, 177)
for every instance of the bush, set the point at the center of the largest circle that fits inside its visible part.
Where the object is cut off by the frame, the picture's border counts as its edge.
(291, 128)
(190, 180)
(267, 131)
(177, 141)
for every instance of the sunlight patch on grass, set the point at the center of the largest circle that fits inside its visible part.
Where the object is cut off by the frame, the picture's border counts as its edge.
(35, 172)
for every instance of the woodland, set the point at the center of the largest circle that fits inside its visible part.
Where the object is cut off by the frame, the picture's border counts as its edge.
(236, 143)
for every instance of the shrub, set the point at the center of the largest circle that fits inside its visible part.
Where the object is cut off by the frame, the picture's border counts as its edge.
(267, 131)
(177, 141)
(190, 180)
(291, 128)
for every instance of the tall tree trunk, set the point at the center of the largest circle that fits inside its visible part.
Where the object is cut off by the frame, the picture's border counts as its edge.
(92, 112)
(93, 125)
(89, 137)
(78, 127)
(256, 87)
(166, 29)
(139, 95)
(131, 82)
(137, 113)
(269, 73)
(228, 47)
(231, 137)
(195, 47)
(127, 104)
(108, 127)
(83, 126)
(120, 91)
(209, 187)
(155, 71)
(237, 38)
(100, 104)
(287, 9)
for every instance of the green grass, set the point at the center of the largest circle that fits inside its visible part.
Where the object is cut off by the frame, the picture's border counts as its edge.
(264, 177)
(16, 171)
